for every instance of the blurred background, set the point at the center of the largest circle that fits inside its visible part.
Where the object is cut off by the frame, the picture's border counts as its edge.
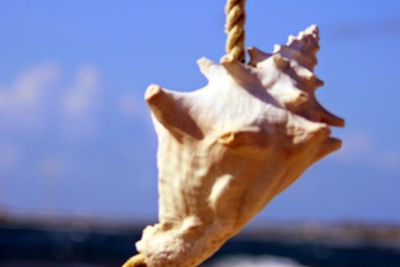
(78, 177)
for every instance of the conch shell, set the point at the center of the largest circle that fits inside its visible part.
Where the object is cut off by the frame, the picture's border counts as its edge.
(227, 149)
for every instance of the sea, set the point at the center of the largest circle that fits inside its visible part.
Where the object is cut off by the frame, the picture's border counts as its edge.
(255, 261)
(243, 261)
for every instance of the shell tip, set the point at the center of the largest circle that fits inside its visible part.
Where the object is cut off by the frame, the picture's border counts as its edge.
(152, 92)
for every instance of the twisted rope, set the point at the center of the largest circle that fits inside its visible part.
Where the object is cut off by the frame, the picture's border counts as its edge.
(235, 29)
(136, 261)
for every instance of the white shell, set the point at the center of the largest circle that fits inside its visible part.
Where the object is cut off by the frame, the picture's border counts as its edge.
(227, 149)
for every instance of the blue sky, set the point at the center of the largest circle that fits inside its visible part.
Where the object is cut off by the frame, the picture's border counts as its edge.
(76, 137)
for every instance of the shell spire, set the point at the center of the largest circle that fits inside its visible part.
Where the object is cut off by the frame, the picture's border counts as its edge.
(296, 62)
(303, 48)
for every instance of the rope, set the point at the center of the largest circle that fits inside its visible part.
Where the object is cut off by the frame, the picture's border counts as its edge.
(136, 261)
(235, 29)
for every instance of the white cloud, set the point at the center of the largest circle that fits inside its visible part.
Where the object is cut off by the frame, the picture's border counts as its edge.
(82, 98)
(53, 135)
(130, 106)
(80, 103)
(23, 103)
(361, 147)
(38, 100)
(357, 144)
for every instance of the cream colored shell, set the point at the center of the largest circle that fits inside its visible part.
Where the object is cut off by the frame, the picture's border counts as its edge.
(227, 149)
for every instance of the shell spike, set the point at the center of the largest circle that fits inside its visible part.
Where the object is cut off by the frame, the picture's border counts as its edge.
(313, 30)
(306, 41)
(170, 109)
(329, 146)
(154, 95)
(257, 56)
(331, 119)
(206, 66)
(327, 117)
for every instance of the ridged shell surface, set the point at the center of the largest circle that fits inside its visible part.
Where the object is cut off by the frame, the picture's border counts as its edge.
(227, 149)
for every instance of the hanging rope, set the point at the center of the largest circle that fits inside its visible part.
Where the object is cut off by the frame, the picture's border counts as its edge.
(235, 28)
(136, 261)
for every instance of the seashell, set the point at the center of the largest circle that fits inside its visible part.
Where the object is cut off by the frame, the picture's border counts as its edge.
(227, 149)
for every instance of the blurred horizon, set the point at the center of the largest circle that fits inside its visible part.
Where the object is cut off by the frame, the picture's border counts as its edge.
(76, 137)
